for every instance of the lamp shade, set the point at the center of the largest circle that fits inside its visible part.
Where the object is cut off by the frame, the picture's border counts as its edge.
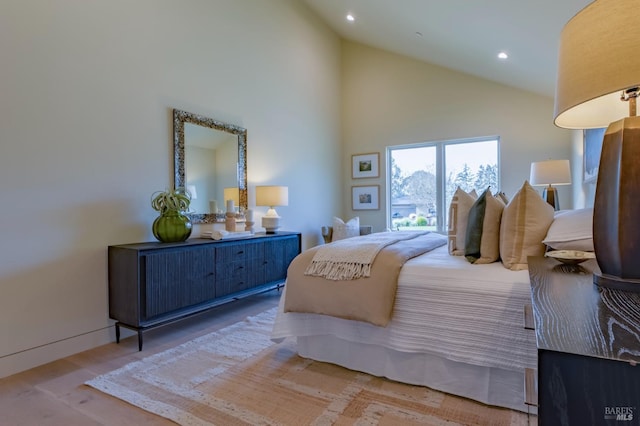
(232, 194)
(598, 59)
(272, 196)
(551, 172)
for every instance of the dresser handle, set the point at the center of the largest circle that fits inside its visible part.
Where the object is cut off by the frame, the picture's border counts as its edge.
(530, 387)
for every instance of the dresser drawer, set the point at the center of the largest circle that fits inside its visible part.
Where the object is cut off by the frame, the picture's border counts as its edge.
(238, 251)
(232, 277)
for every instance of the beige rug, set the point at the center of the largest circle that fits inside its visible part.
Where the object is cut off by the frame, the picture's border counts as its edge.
(237, 376)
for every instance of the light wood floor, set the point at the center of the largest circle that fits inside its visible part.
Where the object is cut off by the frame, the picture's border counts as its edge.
(55, 394)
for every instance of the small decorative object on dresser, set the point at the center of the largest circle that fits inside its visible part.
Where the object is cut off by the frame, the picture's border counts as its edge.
(248, 224)
(173, 225)
(230, 217)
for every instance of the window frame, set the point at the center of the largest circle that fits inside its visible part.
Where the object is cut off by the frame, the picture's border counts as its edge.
(440, 146)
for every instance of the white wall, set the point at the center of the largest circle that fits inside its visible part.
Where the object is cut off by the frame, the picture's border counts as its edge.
(392, 100)
(86, 128)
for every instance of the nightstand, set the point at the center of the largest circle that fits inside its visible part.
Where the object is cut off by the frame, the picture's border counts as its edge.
(588, 342)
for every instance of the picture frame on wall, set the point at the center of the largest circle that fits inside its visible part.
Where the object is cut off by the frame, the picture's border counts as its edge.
(365, 197)
(592, 145)
(365, 165)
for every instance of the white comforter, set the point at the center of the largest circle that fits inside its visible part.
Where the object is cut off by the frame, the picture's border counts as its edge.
(444, 306)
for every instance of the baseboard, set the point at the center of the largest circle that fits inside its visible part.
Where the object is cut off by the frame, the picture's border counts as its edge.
(30, 358)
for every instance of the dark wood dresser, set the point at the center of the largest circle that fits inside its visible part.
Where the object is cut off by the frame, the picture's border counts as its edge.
(151, 284)
(588, 342)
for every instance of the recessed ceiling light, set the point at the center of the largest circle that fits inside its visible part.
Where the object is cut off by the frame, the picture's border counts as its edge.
(350, 18)
(503, 55)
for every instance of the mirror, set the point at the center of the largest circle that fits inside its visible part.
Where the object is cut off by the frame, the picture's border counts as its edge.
(209, 156)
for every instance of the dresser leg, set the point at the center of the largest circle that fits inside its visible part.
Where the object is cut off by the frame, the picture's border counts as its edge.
(117, 332)
(139, 340)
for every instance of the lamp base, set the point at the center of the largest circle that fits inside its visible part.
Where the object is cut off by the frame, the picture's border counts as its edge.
(616, 283)
(616, 230)
(271, 224)
(551, 195)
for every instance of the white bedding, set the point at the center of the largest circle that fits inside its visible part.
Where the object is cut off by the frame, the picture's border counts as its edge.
(446, 308)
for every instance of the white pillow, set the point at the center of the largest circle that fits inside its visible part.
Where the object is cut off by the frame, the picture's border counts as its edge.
(343, 230)
(571, 230)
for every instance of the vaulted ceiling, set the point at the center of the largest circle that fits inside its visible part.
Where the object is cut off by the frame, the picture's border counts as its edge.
(464, 35)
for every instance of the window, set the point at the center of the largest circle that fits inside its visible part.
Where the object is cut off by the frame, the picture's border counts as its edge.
(422, 177)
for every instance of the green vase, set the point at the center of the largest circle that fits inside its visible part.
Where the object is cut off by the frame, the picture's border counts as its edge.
(172, 226)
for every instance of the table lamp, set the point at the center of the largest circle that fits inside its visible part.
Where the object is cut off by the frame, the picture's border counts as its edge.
(597, 85)
(551, 172)
(272, 196)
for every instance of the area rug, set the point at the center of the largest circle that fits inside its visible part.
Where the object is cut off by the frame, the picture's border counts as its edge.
(237, 376)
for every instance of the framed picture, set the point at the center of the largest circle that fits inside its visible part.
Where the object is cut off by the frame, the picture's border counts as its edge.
(365, 197)
(365, 165)
(592, 146)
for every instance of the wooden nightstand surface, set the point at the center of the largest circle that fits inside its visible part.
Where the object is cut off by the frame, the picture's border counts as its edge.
(575, 316)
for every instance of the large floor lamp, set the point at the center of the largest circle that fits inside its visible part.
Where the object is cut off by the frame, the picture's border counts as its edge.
(597, 86)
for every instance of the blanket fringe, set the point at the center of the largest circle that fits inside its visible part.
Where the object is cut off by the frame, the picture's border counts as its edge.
(338, 271)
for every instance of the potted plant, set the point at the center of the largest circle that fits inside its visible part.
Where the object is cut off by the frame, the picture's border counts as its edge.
(173, 224)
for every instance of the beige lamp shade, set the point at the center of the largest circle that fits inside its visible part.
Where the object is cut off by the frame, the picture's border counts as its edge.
(232, 194)
(598, 59)
(551, 172)
(272, 196)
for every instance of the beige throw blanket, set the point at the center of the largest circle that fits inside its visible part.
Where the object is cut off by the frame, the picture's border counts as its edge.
(368, 299)
(351, 258)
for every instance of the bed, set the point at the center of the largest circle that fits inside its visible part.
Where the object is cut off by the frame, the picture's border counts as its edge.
(456, 327)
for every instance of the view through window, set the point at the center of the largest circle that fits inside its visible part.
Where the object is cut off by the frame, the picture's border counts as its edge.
(422, 178)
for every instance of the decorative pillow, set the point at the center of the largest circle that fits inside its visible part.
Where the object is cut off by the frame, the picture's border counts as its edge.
(343, 230)
(503, 197)
(525, 222)
(461, 203)
(483, 229)
(571, 230)
(474, 228)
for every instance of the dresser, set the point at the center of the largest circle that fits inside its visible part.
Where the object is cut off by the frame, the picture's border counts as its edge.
(152, 284)
(588, 341)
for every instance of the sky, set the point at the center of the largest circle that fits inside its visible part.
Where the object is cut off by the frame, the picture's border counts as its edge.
(474, 154)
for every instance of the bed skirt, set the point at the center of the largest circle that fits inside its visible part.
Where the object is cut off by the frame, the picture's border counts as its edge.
(491, 386)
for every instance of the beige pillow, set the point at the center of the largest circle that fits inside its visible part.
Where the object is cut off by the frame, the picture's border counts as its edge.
(461, 203)
(342, 230)
(525, 222)
(490, 242)
(503, 197)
